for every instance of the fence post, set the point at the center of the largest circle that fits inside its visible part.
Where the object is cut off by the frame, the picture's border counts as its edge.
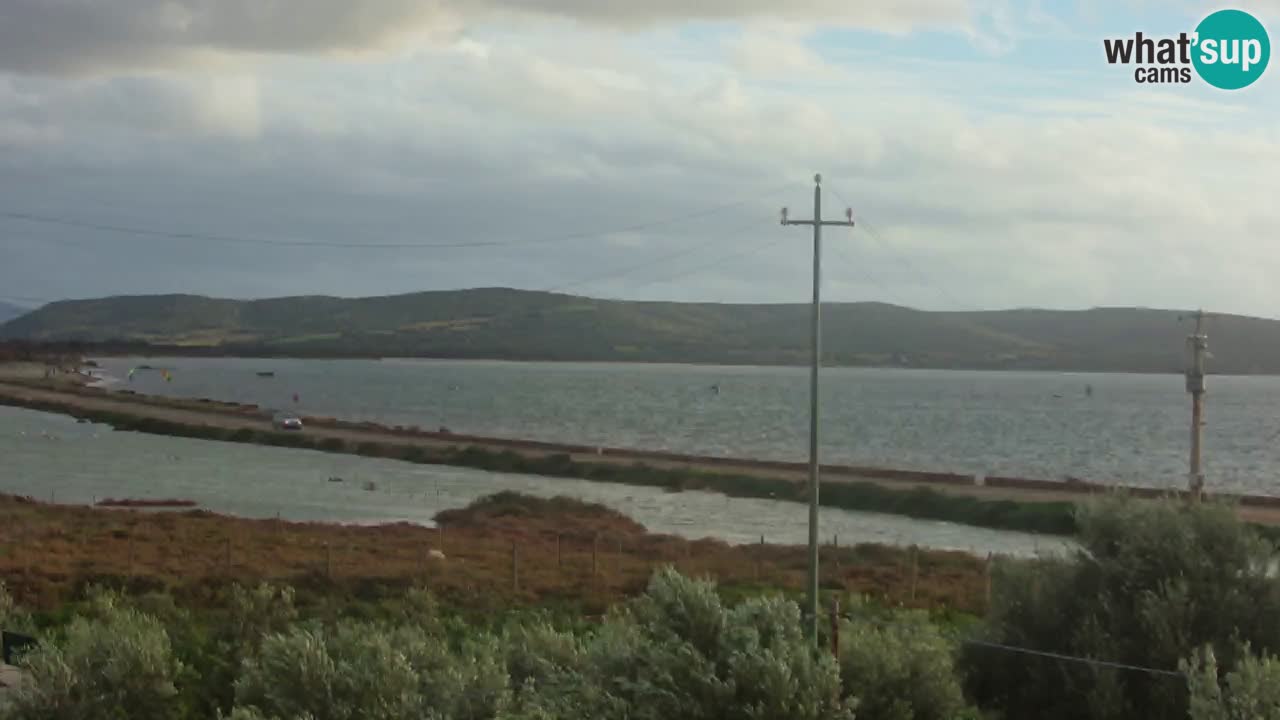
(559, 557)
(915, 569)
(328, 561)
(988, 581)
(835, 553)
(835, 627)
(515, 567)
(595, 552)
(759, 558)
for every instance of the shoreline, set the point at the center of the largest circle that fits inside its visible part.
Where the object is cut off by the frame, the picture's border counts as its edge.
(126, 350)
(1002, 503)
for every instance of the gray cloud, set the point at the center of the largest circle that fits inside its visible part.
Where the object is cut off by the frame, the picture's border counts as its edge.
(88, 36)
(1098, 201)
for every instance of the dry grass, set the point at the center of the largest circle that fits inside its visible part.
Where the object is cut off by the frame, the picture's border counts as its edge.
(49, 552)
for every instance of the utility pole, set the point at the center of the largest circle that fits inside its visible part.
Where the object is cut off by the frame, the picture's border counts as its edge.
(816, 350)
(1198, 347)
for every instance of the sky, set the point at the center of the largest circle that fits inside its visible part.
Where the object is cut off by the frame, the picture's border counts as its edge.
(629, 149)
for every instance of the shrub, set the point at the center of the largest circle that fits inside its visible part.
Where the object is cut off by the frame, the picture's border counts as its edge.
(119, 665)
(357, 670)
(1250, 692)
(900, 670)
(258, 612)
(1152, 582)
(676, 652)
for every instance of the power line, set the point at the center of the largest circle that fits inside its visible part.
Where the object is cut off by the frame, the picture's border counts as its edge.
(1074, 658)
(902, 260)
(990, 645)
(750, 250)
(629, 269)
(219, 238)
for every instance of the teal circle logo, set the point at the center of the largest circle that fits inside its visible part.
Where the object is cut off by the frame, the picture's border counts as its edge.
(1231, 49)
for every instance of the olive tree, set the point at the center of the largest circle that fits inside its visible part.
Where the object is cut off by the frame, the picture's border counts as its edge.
(116, 664)
(360, 670)
(1150, 583)
(900, 669)
(678, 652)
(1251, 691)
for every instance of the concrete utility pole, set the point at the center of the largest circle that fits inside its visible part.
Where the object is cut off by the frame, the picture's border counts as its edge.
(816, 349)
(1198, 347)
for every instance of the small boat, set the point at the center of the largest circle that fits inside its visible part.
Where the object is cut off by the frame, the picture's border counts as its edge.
(335, 478)
(370, 486)
(266, 373)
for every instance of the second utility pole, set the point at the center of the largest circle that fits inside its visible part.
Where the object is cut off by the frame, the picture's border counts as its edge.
(816, 349)
(1198, 345)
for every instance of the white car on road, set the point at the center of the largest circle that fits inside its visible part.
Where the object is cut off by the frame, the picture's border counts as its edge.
(286, 421)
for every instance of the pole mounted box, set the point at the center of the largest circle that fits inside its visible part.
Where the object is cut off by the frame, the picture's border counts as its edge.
(1195, 383)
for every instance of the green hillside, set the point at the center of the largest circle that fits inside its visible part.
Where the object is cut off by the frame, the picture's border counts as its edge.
(515, 324)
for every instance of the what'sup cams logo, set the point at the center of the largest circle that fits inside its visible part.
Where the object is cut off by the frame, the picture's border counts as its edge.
(1229, 50)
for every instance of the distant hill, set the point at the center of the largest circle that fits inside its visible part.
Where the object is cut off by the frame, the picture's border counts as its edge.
(522, 325)
(9, 311)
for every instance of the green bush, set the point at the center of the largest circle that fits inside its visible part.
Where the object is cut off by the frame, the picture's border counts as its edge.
(902, 669)
(358, 670)
(1151, 582)
(257, 612)
(115, 666)
(677, 652)
(1249, 692)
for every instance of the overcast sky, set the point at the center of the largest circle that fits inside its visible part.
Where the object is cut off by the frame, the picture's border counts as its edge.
(630, 148)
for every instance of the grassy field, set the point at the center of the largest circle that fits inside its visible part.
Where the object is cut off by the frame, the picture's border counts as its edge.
(507, 550)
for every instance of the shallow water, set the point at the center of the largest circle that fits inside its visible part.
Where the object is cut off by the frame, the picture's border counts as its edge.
(52, 457)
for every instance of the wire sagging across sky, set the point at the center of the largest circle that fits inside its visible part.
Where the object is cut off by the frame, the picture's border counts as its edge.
(243, 240)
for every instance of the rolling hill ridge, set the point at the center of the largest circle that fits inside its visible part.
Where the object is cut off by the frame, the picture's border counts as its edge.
(499, 323)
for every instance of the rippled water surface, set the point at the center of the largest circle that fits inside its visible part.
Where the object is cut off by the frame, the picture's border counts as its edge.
(52, 457)
(1132, 428)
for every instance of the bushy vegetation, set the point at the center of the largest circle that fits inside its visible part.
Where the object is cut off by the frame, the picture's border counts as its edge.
(902, 669)
(114, 662)
(1249, 692)
(676, 651)
(1151, 584)
(1166, 610)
